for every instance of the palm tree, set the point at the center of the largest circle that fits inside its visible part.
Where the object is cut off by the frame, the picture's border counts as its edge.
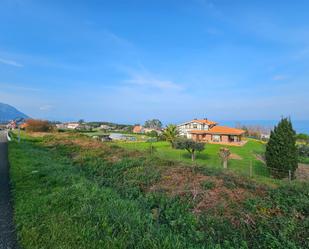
(170, 134)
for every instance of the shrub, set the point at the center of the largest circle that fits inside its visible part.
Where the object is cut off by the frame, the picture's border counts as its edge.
(36, 125)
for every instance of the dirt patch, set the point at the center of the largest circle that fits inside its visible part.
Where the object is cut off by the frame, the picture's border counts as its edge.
(221, 197)
(39, 134)
(184, 181)
(235, 156)
(181, 181)
(261, 158)
(302, 172)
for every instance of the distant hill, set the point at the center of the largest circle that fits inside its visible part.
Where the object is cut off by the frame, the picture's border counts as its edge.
(8, 112)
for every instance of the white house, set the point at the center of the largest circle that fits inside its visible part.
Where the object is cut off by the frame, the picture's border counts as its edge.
(72, 126)
(204, 130)
(185, 129)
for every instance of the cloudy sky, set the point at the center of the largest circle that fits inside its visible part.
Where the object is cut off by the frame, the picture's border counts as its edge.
(127, 61)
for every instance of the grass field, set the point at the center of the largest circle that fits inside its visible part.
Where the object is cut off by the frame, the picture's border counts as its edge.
(73, 192)
(209, 157)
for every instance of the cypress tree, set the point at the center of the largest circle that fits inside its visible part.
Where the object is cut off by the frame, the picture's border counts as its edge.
(281, 150)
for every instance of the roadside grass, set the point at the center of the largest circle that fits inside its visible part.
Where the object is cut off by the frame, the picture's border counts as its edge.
(73, 192)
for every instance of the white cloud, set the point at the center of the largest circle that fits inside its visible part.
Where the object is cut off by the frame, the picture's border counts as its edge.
(10, 63)
(280, 77)
(144, 79)
(46, 107)
(148, 81)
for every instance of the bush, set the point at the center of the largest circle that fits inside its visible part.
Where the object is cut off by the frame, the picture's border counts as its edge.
(35, 125)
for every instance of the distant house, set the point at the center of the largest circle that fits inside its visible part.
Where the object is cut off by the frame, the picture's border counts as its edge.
(61, 126)
(105, 127)
(138, 129)
(11, 125)
(204, 130)
(141, 129)
(72, 126)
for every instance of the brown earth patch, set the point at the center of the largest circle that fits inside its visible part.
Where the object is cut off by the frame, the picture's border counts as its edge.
(235, 156)
(180, 181)
(184, 181)
(39, 134)
(302, 172)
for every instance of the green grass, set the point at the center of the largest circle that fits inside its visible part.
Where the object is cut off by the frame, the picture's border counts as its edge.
(209, 156)
(72, 196)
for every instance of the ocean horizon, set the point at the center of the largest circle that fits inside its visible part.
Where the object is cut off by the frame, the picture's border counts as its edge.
(300, 126)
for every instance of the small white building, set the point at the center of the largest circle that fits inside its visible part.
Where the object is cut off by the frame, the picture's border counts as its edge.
(72, 126)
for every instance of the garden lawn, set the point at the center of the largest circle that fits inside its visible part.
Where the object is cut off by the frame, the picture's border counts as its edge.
(209, 156)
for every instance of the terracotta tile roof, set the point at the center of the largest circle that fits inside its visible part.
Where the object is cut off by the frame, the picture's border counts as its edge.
(137, 129)
(204, 121)
(220, 130)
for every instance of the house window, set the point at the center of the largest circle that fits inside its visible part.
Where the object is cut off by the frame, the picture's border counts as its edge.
(216, 138)
(194, 126)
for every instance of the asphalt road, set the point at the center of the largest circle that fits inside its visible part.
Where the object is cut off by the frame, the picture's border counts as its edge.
(7, 228)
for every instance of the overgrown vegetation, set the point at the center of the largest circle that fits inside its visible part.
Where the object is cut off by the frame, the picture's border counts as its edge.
(73, 192)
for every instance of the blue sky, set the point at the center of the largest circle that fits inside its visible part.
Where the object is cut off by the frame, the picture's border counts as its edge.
(127, 61)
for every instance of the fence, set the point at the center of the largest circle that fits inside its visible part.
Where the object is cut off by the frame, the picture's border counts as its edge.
(252, 168)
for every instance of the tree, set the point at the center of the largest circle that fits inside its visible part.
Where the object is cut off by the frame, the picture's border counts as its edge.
(153, 124)
(170, 134)
(81, 121)
(281, 151)
(189, 145)
(152, 134)
(224, 154)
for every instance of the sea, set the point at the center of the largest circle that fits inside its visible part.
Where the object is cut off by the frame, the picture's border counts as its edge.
(300, 126)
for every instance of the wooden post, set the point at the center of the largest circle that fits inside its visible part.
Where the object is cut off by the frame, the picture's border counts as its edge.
(18, 134)
(290, 176)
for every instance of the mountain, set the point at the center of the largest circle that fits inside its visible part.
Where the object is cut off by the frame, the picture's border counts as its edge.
(8, 112)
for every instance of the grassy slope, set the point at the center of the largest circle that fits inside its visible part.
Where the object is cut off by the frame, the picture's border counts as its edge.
(210, 157)
(69, 196)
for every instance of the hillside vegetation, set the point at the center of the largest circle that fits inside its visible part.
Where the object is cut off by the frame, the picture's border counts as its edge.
(73, 192)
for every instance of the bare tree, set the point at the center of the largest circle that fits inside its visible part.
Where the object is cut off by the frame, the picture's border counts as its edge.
(224, 154)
